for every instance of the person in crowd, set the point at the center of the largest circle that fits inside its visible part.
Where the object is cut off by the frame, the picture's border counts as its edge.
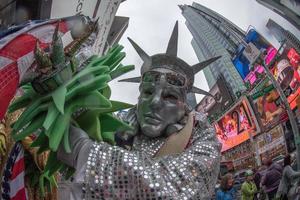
(257, 180)
(288, 188)
(271, 179)
(249, 188)
(226, 190)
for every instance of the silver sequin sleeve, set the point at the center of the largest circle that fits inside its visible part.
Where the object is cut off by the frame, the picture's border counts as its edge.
(116, 173)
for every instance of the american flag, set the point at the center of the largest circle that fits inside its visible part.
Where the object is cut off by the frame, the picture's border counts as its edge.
(16, 57)
(16, 53)
(13, 187)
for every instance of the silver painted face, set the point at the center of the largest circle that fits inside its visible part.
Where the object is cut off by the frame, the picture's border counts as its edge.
(161, 102)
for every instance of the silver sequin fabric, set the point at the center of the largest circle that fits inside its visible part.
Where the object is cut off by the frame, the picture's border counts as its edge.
(115, 173)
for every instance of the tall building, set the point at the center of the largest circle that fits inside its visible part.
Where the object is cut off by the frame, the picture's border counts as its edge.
(288, 9)
(213, 35)
(282, 34)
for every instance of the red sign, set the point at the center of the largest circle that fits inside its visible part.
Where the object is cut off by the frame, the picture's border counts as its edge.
(287, 72)
(236, 125)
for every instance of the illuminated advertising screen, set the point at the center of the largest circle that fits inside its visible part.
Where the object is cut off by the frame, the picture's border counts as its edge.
(286, 71)
(254, 76)
(270, 110)
(257, 72)
(236, 125)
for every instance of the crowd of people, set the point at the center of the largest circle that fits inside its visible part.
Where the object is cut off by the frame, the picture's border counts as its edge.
(271, 181)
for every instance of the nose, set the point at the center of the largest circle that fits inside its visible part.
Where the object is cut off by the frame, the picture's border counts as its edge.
(156, 98)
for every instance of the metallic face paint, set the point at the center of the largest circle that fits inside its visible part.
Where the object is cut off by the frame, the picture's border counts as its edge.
(160, 105)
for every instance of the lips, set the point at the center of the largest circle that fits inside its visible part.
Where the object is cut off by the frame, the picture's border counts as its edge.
(152, 119)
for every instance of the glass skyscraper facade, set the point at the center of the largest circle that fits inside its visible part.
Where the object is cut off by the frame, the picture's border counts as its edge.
(213, 35)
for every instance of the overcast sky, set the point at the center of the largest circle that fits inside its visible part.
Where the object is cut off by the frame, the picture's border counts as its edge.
(151, 23)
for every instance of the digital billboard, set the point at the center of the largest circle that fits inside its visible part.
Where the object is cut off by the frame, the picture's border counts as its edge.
(286, 68)
(286, 71)
(235, 127)
(257, 72)
(270, 109)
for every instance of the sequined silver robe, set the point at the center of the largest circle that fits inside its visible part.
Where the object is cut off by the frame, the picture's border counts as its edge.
(111, 172)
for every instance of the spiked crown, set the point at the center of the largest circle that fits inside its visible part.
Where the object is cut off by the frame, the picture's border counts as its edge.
(169, 60)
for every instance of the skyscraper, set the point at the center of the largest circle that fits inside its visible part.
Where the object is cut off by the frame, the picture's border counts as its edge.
(288, 9)
(282, 34)
(213, 35)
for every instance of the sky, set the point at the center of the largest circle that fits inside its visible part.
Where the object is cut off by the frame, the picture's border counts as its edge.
(151, 23)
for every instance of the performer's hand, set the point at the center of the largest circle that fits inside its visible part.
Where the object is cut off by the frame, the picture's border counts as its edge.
(79, 141)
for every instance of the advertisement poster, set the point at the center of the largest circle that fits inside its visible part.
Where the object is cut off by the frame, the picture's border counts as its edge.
(286, 71)
(270, 110)
(236, 125)
(272, 143)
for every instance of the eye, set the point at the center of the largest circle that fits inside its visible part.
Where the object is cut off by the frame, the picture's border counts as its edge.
(170, 97)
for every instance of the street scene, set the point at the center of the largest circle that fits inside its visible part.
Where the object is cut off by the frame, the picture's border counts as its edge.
(173, 99)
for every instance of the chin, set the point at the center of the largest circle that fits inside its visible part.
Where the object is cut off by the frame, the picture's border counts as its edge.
(150, 131)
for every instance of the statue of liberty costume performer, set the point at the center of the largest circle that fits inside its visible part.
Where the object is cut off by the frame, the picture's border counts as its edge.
(171, 154)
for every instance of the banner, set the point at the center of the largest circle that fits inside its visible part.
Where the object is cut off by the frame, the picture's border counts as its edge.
(236, 125)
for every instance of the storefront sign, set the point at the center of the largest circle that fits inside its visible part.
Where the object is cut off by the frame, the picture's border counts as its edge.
(236, 125)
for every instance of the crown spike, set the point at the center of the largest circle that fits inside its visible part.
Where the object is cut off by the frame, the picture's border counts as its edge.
(131, 80)
(200, 66)
(42, 59)
(57, 55)
(145, 57)
(173, 42)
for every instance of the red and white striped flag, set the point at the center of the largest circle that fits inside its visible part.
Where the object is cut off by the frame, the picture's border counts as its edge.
(13, 186)
(16, 54)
